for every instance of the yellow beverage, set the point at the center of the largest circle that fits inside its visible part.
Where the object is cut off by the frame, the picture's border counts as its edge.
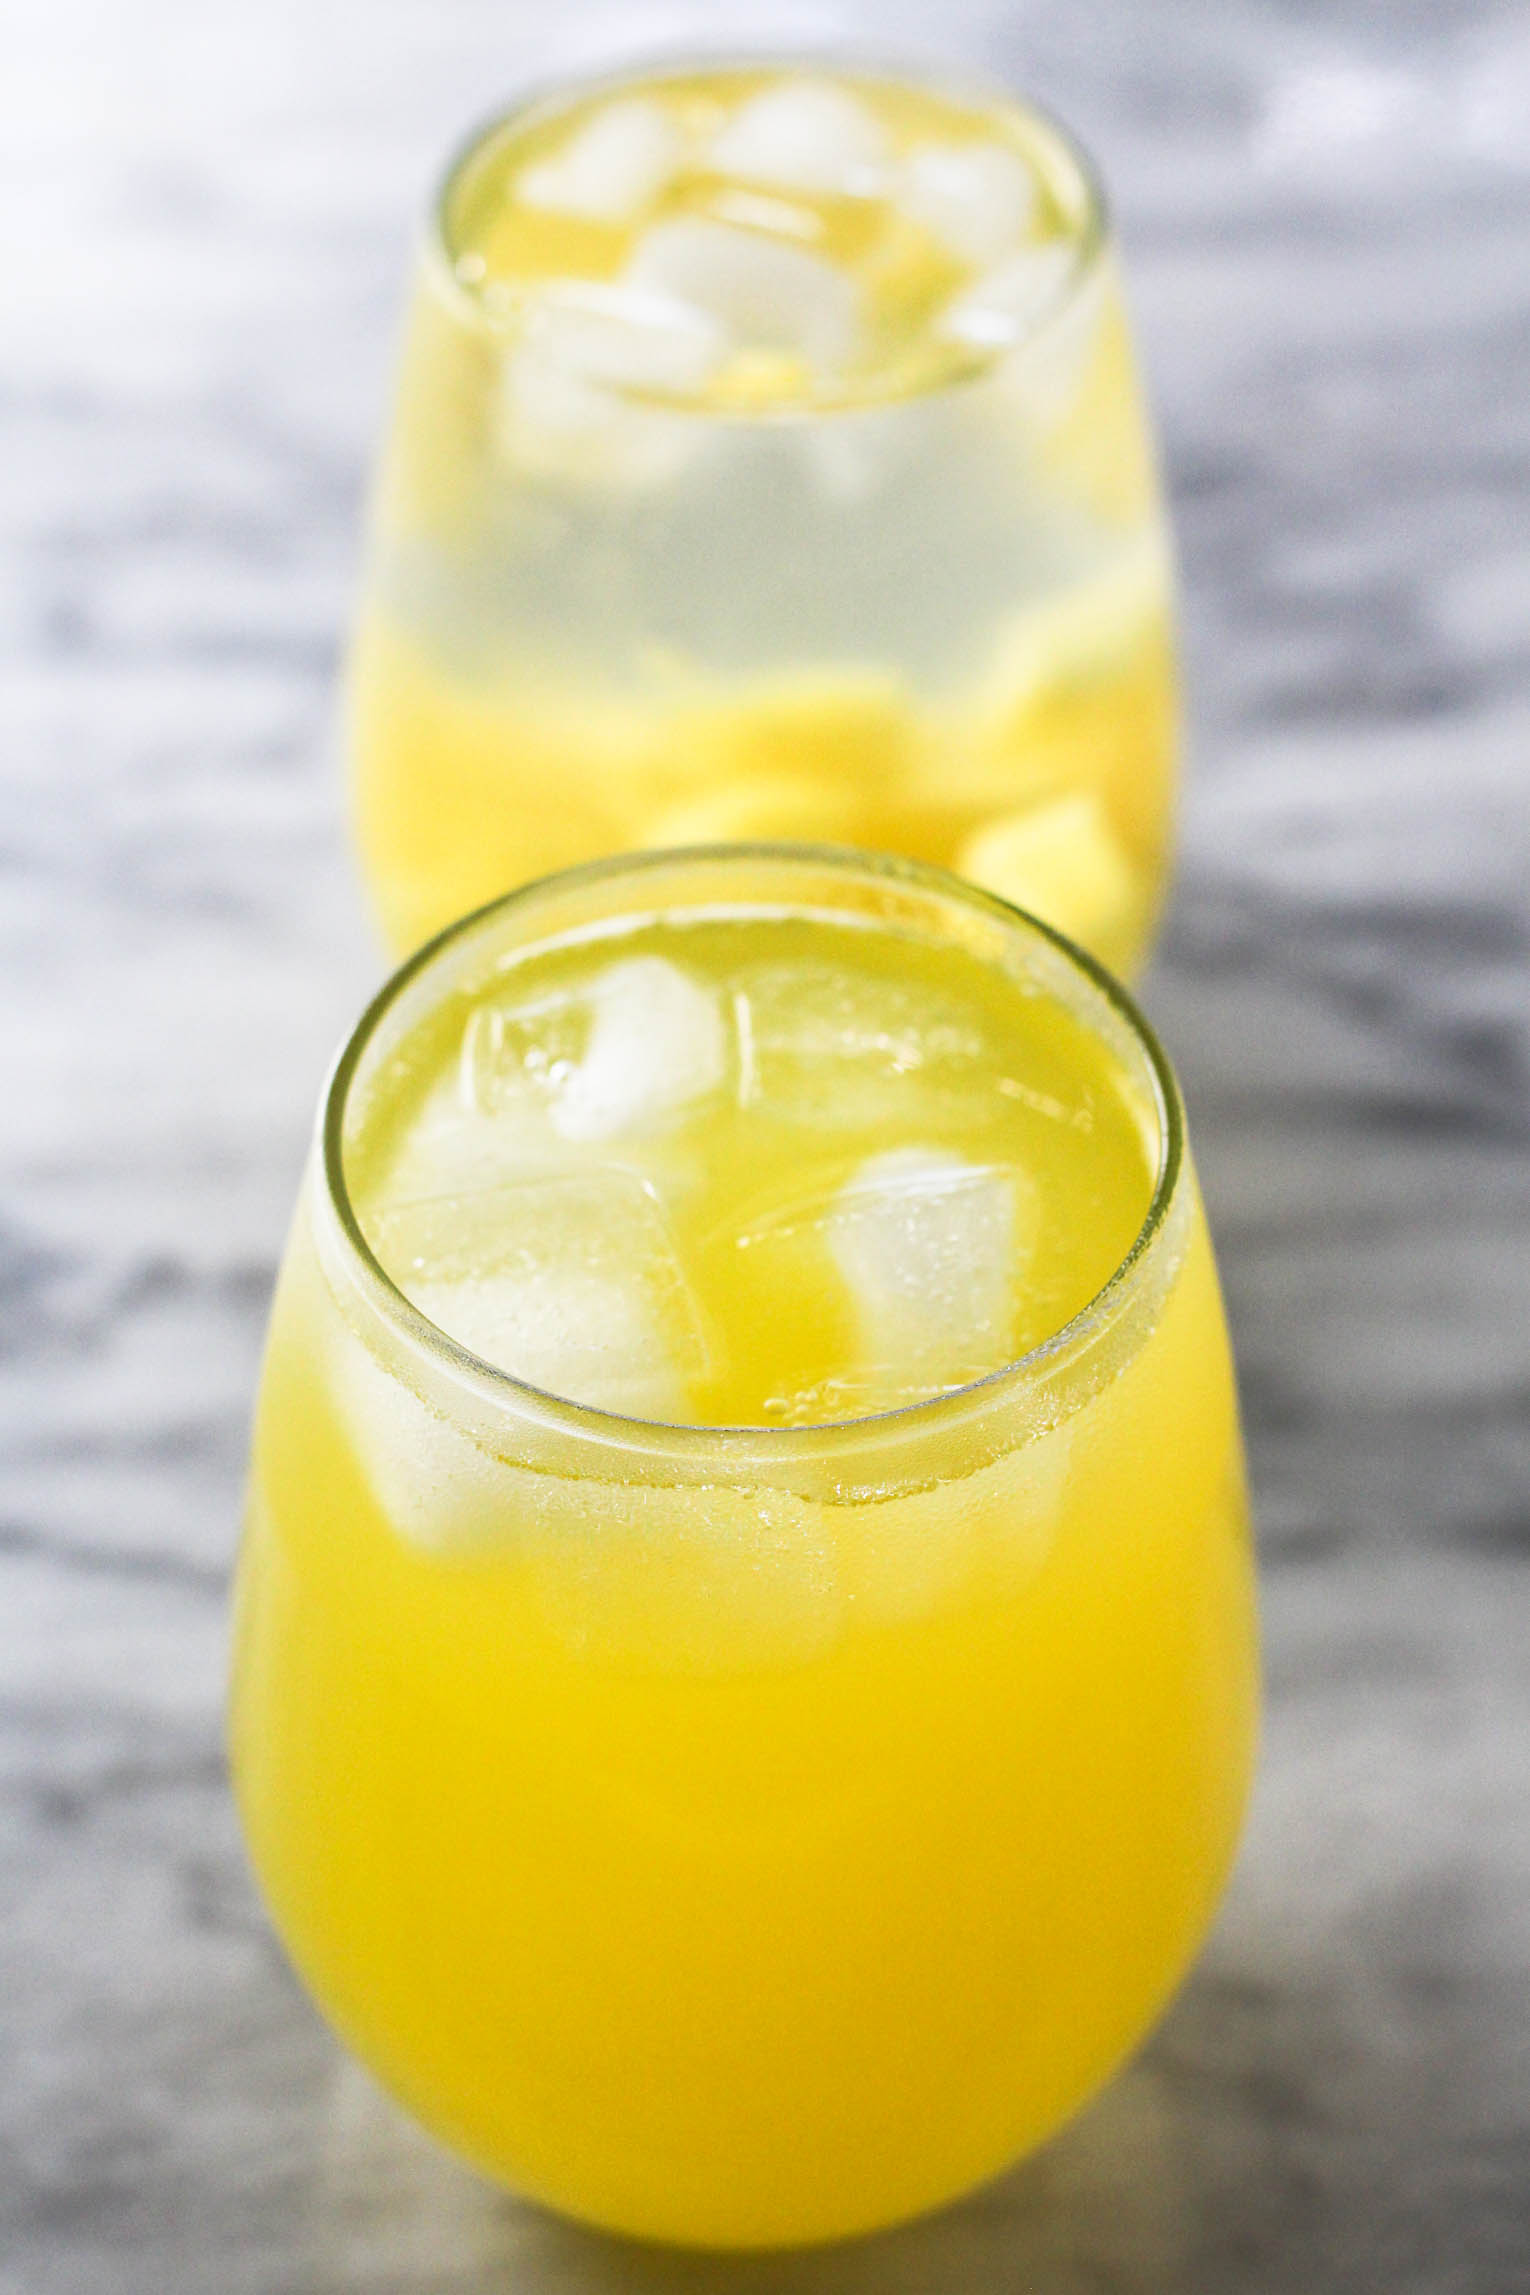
(745, 1673)
(768, 461)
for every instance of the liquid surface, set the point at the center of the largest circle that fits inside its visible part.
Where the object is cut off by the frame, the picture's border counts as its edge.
(746, 239)
(750, 1170)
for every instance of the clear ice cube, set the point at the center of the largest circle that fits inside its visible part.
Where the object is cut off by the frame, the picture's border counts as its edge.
(569, 1281)
(930, 1248)
(807, 135)
(518, 1055)
(822, 1046)
(560, 426)
(624, 1053)
(433, 1483)
(762, 293)
(999, 308)
(624, 337)
(977, 199)
(657, 1043)
(611, 168)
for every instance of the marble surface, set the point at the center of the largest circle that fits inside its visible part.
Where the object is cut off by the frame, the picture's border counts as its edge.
(1327, 218)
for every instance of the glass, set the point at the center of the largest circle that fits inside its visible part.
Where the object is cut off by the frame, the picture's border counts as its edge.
(745, 1835)
(768, 461)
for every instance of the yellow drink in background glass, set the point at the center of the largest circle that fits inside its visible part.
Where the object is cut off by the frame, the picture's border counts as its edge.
(768, 461)
(745, 1677)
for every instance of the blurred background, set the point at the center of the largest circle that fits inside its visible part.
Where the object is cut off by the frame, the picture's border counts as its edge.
(1325, 214)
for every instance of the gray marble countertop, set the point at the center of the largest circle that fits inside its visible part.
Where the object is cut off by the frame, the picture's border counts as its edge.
(1327, 220)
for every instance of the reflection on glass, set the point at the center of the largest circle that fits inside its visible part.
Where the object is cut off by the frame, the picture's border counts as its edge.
(745, 1674)
(768, 461)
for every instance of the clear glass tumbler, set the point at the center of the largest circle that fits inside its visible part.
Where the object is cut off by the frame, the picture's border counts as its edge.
(768, 461)
(744, 1835)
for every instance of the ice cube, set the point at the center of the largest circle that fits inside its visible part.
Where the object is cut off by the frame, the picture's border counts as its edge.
(977, 199)
(1064, 862)
(657, 1043)
(567, 1280)
(559, 426)
(1002, 306)
(516, 1056)
(807, 135)
(762, 293)
(448, 1149)
(624, 337)
(830, 1049)
(480, 1117)
(611, 168)
(931, 1248)
(433, 1483)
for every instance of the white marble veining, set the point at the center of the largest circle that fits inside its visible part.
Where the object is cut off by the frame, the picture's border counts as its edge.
(1327, 219)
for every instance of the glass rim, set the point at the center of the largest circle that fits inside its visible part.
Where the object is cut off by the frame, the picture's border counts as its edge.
(686, 1438)
(1089, 246)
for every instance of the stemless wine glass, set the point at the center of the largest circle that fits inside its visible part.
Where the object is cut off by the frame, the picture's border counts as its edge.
(744, 1835)
(768, 461)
